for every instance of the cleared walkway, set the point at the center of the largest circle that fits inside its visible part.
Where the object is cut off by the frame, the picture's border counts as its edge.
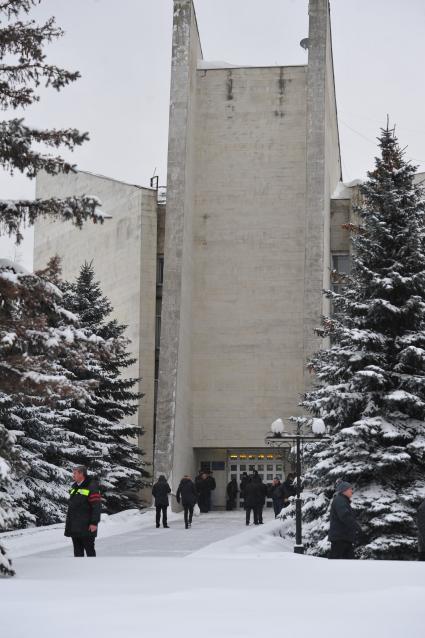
(174, 542)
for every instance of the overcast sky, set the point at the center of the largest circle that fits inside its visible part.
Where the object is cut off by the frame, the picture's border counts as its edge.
(122, 50)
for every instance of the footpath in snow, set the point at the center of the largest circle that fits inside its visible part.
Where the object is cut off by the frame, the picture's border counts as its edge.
(218, 579)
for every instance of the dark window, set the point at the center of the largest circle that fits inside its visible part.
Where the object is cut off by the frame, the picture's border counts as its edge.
(157, 331)
(218, 465)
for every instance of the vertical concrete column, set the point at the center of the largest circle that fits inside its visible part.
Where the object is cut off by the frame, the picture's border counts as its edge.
(173, 445)
(321, 158)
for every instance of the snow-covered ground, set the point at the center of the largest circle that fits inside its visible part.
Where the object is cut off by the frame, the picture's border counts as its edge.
(218, 579)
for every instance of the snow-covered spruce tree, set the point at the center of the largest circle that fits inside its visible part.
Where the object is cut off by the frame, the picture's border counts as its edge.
(8, 461)
(23, 68)
(371, 380)
(104, 419)
(40, 342)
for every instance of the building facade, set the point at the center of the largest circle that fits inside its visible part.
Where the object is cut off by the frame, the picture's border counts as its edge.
(222, 292)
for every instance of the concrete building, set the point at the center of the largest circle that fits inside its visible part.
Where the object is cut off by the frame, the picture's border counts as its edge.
(124, 254)
(251, 233)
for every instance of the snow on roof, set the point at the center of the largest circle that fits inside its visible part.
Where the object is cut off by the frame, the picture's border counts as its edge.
(216, 64)
(342, 190)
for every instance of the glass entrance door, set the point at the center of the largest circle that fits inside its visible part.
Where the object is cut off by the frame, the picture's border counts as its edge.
(268, 465)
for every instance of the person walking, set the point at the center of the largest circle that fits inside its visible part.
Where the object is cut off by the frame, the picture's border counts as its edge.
(186, 493)
(343, 528)
(232, 493)
(160, 492)
(203, 490)
(83, 514)
(421, 531)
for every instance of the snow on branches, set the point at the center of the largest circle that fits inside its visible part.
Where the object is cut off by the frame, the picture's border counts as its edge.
(370, 383)
(23, 68)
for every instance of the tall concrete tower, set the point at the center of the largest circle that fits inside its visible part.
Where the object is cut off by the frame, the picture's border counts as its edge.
(253, 161)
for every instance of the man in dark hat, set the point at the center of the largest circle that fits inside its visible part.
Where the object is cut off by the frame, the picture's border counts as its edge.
(343, 527)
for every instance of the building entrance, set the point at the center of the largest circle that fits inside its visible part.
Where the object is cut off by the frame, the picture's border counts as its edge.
(269, 464)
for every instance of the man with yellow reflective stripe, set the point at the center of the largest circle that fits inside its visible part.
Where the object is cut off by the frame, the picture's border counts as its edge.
(83, 512)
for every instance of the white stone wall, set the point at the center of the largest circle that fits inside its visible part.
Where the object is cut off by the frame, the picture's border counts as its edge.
(248, 252)
(123, 251)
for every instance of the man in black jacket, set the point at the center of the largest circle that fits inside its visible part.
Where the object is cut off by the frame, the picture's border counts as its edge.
(203, 488)
(160, 492)
(343, 527)
(186, 493)
(83, 512)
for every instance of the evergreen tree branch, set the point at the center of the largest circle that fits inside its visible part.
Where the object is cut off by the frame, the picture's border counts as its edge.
(15, 214)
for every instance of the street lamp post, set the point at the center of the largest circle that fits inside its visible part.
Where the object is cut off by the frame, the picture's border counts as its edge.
(279, 437)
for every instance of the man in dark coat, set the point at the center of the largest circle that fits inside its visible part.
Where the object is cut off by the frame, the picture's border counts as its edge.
(421, 531)
(203, 489)
(232, 492)
(160, 492)
(186, 493)
(254, 496)
(83, 512)
(343, 527)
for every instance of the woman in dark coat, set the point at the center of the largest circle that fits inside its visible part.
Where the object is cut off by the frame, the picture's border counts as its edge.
(160, 492)
(186, 493)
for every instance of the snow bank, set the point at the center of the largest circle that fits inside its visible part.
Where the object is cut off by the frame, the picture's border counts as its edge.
(249, 585)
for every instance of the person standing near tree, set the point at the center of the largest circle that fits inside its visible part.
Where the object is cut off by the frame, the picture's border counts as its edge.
(276, 493)
(160, 492)
(288, 489)
(343, 528)
(83, 512)
(186, 493)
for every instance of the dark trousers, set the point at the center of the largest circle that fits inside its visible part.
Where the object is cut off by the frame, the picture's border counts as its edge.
(163, 509)
(260, 513)
(277, 506)
(188, 514)
(342, 549)
(421, 556)
(203, 503)
(83, 543)
(248, 514)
